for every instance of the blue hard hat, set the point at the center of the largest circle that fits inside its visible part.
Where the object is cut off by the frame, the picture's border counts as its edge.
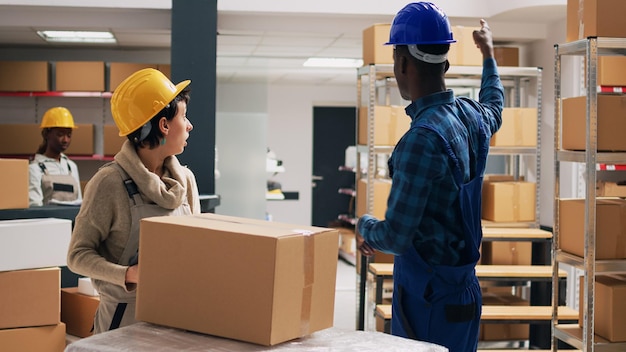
(420, 23)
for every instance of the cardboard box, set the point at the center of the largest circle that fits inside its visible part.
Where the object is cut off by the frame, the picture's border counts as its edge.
(34, 243)
(24, 76)
(390, 124)
(519, 128)
(610, 227)
(610, 189)
(506, 55)
(464, 52)
(112, 140)
(29, 297)
(381, 189)
(49, 338)
(595, 18)
(611, 122)
(14, 184)
(82, 140)
(506, 253)
(119, 71)
(80, 76)
(374, 50)
(250, 280)
(508, 201)
(609, 307)
(20, 139)
(347, 240)
(78, 311)
(85, 287)
(504, 332)
(611, 71)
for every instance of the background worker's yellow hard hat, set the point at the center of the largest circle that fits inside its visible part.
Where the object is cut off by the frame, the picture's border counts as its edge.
(57, 117)
(140, 97)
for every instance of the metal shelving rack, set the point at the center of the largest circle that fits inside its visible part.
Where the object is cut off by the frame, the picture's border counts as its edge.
(584, 339)
(519, 82)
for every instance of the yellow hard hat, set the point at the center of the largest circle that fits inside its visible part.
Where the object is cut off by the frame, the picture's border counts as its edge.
(57, 117)
(140, 97)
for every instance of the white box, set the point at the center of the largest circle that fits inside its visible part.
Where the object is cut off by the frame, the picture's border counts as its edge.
(86, 287)
(34, 243)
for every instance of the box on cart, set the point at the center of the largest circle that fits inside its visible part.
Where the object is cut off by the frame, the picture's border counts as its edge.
(250, 280)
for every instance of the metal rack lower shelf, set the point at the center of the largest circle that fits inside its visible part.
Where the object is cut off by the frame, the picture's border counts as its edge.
(602, 266)
(573, 335)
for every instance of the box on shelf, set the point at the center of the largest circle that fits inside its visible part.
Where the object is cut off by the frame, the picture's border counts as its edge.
(609, 307)
(381, 189)
(24, 76)
(79, 76)
(504, 332)
(14, 184)
(20, 139)
(596, 18)
(250, 280)
(82, 140)
(119, 71)
(390, 123)
(610, 227)
(30, 297)
(34, 243)
(347, 240)
(506, 253)
(506, 55)
(112, 140)
(49, 338)
(464, 52)
(610, 189)
(611, 71)
(78, 311)
(374, 50)
(508, 201)
(519, 128)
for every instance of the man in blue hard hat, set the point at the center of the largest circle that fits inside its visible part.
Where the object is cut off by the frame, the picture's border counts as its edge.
(433, 220)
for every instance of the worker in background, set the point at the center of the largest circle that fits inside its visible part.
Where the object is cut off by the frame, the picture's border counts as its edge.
(145, 179)
(433, 219)
(53, 177)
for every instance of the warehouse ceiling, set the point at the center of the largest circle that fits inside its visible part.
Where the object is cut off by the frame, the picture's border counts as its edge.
(252, 46)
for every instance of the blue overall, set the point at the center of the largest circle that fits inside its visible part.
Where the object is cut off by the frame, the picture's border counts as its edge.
(439, 303)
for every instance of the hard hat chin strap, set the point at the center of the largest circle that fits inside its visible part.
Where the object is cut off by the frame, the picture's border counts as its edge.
(429, 58)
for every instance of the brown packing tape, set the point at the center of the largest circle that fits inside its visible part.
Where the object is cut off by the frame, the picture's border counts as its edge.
(307, 291)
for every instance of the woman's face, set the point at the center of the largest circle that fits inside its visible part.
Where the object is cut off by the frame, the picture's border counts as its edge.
(179, 128)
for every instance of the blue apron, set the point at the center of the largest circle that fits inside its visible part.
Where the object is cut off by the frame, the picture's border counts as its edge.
(439, 303)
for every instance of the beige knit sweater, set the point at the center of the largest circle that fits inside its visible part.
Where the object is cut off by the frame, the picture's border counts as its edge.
(103, 223)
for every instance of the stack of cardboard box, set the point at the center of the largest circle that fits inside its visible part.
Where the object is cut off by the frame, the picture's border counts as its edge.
(31, 252)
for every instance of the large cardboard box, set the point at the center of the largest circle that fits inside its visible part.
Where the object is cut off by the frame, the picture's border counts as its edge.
(374, 50)
(610, 227)
(78, 311)
(82, 140)
(609, 307)
(112, 140)
(250, 280)
(506, 253)
(29, 297)
(390, 123)
(504, 332)
(506, 55)
(79, 76)
(464, 52)
(508, 201)
(611, 71)
(14, 184)
(610, 189)
(24, 76)
(595, 18)
(611, 122)
(34, 243)
(119, 71)
(519, 128)
(20, 139)
(49, 338)
(381, 189)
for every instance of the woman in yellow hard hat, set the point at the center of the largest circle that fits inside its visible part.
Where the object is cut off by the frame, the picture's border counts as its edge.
(53, 177)
(145, 179)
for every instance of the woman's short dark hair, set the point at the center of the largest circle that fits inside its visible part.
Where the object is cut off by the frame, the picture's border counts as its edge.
(154, 137)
